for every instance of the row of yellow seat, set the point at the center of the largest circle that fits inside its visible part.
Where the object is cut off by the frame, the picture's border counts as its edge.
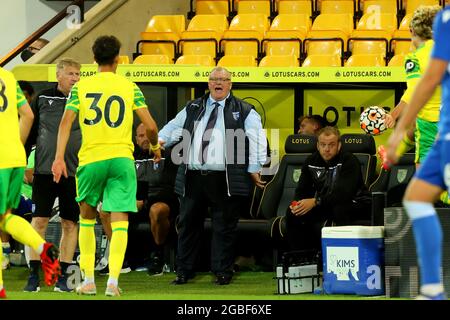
(273, 7)
(289, 34)
(318, 60)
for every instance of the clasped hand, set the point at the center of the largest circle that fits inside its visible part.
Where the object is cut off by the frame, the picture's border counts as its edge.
(299, 208)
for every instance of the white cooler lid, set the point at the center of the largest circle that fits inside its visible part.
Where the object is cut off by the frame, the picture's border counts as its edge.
(353, 232)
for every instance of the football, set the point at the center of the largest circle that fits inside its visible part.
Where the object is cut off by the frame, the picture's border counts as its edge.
(372, 120)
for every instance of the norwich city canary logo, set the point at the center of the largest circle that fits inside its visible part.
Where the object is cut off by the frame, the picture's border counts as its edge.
(401, 175)
(296, 175)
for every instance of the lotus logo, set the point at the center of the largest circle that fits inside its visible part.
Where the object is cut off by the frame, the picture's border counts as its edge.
(266, 74)
(338, 74)
(128, 74)
(197, 74)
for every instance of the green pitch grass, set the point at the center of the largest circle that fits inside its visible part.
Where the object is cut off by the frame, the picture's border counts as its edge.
(140, 286)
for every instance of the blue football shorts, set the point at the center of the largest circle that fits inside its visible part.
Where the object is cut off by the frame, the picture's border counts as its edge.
(436, 167)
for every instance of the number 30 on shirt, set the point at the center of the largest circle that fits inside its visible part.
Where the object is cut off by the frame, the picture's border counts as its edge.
(107, 114)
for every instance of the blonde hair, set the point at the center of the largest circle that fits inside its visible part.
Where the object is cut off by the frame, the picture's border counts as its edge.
(330, 131)
(422, 21)
(67, 62)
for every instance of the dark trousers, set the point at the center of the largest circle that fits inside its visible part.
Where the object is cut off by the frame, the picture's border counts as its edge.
(200, 192)
(304, 232)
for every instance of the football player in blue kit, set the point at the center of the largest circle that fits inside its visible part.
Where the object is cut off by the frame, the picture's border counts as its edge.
(433, 176)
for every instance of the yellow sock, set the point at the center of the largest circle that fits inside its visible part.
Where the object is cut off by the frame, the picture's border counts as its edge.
(117, 247)
(21, 230)
(405, 145)
(444, 197)
(86, 242)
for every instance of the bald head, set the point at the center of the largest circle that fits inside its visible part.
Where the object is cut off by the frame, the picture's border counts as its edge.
(141, 138)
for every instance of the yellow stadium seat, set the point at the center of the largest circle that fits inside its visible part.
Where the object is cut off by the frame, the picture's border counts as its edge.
(152, 59)
(401, 46)
(401, 42)
(279, 42)
(194, 46)
(295, 6)
(279, 61)
(162, 34)
(203, 35)
(397, 61)
(124, 60)
(402, 34)
(322, 60)
(199, 60)
(365, 60)
(244, 35)
(212, 7)
(167, 23)
(381, 6)
(325, 42)
(208, 22)
(237, 61)
(412, 5)
(250, 21)
(286, 34)
(370, 42)
(254, 6)
(337, 6)
(334, 21)
(297, 21)
(159, 43)
(406, 21)
(240, 43)
(378, 21)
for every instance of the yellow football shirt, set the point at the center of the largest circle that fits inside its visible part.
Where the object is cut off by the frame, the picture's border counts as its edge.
(12, 152)
(415, 65)
(105, 103)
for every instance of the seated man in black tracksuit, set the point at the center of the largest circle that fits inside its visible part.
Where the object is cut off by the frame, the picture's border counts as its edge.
(156, 201)
(330, 190)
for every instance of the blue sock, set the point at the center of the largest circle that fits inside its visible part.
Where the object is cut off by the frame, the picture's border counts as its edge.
(428, 235)
(6, 248)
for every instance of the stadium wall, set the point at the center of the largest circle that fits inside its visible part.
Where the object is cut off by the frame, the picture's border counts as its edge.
(25, 17)
(124, 19)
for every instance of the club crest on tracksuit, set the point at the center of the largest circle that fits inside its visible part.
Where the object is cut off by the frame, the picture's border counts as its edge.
(296, 175)
(401, 175)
